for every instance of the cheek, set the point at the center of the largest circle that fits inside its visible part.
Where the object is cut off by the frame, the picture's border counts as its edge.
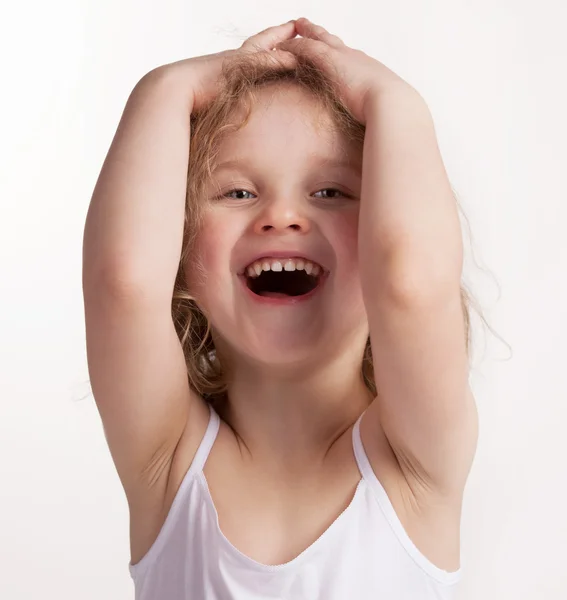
(345, 239)
(348, 288)
(208, 263)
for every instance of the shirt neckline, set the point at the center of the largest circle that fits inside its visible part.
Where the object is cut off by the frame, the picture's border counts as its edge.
(249, 562)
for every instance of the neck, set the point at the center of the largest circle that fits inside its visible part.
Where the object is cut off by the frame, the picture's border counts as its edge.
(294, 414)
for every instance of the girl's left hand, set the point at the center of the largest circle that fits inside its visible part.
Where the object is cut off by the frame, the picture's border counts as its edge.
(358, 77)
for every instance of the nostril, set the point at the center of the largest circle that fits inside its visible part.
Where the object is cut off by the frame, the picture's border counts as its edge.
(294, 227)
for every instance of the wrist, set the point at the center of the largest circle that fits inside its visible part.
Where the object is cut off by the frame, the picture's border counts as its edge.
(170, 83)
(400, 95)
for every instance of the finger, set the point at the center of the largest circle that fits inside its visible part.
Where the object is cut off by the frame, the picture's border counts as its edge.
(314, 48)
(307, 29)
(280, 58)
(319, 52)
(271, 37)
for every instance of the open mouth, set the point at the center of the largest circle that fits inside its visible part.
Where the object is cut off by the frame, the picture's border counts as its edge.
(281, 278)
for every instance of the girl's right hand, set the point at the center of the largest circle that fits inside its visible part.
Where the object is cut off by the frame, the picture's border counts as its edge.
(202, 72)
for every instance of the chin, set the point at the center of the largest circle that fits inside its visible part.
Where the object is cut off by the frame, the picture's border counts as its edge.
(272, 346)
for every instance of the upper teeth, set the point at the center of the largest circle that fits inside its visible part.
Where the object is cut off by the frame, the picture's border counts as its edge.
(286, 264)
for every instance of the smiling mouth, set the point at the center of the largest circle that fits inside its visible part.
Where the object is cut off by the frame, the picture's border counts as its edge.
(280, 279)
(277, 285)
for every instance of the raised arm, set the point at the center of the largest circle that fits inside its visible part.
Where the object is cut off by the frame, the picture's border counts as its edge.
(410, 262)
(132, 246)
(411, 258)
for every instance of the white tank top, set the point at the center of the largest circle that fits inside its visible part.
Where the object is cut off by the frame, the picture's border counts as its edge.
(364, 554)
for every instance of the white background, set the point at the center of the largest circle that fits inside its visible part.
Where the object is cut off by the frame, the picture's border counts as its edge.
(493, 73)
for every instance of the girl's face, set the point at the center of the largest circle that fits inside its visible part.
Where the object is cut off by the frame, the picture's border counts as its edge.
(289, 189)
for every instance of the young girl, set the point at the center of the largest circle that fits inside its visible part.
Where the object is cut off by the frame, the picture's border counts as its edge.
(277, 333)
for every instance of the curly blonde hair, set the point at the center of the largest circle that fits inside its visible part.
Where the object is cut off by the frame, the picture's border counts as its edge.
(242, 75)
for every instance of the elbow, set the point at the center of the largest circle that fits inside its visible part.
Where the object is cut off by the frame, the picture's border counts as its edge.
(410, 280)
(415, 288)
(110, 282)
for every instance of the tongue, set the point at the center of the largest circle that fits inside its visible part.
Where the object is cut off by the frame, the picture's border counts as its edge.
(274, 295)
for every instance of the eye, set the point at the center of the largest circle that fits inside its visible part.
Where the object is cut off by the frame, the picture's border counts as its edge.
(339, 192)
(238, 191)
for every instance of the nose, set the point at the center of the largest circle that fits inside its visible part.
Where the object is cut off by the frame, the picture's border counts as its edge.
(282, 216)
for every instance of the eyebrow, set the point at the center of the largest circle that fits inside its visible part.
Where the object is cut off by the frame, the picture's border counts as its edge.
(316, 160)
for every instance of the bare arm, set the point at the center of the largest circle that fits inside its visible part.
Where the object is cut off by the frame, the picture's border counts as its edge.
(411, 260)
(132, 245)
(135, 220)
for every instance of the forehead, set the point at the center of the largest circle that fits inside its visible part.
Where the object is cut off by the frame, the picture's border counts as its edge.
(288, 121)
